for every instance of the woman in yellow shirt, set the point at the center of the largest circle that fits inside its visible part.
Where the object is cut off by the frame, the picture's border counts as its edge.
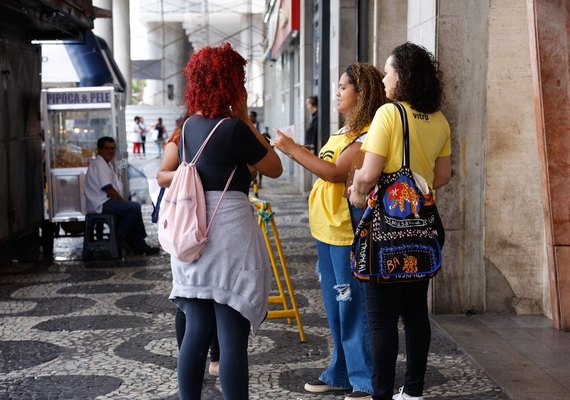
(359, 95)
(413, 79)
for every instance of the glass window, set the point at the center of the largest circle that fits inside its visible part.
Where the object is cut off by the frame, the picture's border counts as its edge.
(73, 136)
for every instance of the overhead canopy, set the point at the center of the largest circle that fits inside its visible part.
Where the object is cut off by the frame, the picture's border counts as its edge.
(94, 63)
(48, 19)
(87, 64)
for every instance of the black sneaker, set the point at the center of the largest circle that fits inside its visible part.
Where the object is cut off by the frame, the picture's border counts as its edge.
(148, 250)
(319, 386)
(358, 396)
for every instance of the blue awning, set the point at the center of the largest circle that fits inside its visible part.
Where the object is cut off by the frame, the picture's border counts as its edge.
(94, 63)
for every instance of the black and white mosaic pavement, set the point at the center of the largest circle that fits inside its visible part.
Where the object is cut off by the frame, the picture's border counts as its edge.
(105, 329)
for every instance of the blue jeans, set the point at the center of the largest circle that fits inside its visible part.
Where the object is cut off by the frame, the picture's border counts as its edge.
(233, 332)
(130, 224)
(386, 303)
(345, 305)
(355, 214)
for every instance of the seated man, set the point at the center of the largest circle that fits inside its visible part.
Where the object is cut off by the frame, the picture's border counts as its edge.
(103, 195)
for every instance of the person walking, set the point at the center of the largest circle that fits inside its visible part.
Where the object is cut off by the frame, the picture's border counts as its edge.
(160, 130)
(143, 130)
(359, 95)
(412, 78)
(230, 282)
(136, 136)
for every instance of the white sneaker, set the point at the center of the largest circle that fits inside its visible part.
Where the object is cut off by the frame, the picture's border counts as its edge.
(404, 396)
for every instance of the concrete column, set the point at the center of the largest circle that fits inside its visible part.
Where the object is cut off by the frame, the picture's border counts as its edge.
(167, 42)
(103, 27)
(514, 249)
(462, 55)
(389, 29)
(122, 41)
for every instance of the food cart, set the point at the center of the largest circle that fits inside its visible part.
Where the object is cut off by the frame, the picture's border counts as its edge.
(73, 120)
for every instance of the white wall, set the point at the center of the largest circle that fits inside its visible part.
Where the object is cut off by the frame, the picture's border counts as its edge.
(422, 23)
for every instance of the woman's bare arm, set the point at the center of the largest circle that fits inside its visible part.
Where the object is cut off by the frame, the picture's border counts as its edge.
(270, 165)
(442, 172)
(365, 178)
(330, 172)
(168, 165)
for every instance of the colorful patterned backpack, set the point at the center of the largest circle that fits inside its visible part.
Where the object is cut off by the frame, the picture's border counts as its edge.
(399, 236)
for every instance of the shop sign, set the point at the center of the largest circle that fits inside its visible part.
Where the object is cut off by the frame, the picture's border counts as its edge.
(75, 97)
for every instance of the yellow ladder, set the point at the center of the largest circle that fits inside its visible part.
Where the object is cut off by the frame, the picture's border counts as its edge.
(263, 209)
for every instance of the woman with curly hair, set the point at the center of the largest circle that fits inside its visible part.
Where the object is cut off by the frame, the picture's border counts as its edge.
(230, 282)
(413, 79)
(360, 93)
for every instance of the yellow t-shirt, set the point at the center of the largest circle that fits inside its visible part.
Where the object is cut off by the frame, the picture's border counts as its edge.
(329, 218)
(429, 139)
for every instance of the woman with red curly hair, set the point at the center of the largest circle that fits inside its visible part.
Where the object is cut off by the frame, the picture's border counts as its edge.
(229, 284)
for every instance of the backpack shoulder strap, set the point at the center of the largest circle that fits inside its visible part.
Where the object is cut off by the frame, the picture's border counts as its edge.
(220, 200)
(199, 152)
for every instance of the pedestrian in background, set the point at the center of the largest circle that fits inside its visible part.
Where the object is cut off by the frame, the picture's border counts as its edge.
(144, 131)
(230, 282)
(160, 130)
(359, 94)
(136, 136)
(312, 131)
(253, 119)
(412, 78)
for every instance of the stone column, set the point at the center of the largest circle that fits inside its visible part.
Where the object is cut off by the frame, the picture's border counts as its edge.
(103, 27)
(549, 49)
(389, 29)
(122, 41)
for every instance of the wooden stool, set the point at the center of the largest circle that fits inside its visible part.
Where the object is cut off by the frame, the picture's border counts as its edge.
(100, 239)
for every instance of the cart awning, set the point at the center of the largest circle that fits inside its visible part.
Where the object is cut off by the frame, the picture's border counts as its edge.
(84, 64)
(94, 63)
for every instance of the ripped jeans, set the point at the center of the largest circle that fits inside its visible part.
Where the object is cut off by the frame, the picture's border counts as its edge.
(345, 304)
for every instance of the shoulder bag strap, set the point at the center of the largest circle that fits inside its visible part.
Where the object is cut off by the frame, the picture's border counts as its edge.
(354, 140)
(406, 145)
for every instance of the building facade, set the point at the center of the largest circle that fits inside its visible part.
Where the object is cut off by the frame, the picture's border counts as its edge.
(506, 76)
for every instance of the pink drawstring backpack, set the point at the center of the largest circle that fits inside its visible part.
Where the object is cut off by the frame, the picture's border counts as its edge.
(182, 229)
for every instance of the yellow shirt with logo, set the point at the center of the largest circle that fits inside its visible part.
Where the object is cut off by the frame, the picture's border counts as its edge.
(329, 218)
(429, 139)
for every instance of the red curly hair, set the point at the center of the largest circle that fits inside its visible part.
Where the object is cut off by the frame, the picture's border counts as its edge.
(215, 79)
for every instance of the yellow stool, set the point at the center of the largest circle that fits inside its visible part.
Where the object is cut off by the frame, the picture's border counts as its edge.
(263, 209)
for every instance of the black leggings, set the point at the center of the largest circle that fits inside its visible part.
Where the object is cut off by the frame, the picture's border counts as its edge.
(180, 326)
(233, 333)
